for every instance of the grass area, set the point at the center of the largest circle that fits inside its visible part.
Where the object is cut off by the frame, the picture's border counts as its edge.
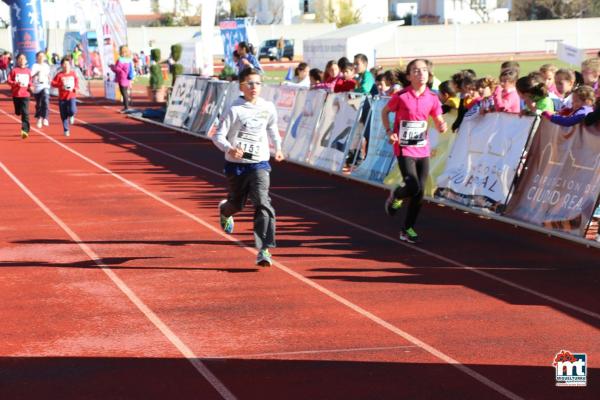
(442, 71)
(445, 71)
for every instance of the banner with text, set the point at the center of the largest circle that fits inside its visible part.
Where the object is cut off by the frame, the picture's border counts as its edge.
(212, 105)
(561, 183)
(335, 130)
(484, 159)
(197, 100)
(303, 124)
(180, 101)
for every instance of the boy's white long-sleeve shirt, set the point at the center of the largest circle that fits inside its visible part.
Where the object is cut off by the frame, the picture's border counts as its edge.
(249, 127)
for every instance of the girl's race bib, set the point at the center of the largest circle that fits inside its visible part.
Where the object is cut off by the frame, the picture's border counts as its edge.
(413, 133)
(22, 80)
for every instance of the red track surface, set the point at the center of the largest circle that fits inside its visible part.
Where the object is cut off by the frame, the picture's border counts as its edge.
(381, 320)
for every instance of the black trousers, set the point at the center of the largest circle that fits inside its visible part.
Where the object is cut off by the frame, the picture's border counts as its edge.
(22, 109)
(42, 100)
(414, 172)
(125, 93)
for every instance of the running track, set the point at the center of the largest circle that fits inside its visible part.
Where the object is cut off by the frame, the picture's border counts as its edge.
(117, 283)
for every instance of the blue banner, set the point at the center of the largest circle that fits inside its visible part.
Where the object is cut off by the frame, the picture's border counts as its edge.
(232, 33)
(27, 28)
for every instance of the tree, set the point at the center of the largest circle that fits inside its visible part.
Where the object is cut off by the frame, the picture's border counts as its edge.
(239, 8)
(525, 10)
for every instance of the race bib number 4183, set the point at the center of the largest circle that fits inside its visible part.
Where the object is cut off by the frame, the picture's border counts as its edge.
(413, 133)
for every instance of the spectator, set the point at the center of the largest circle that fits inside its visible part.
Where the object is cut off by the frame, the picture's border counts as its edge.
(435, 82)
(532, 89)
(511, 64)
(486, 87)
(346, 83)
(583, 101)
(590, 71)
(247, 59)
(506, 97)
(301, 78)
(365, 80)
(331, 74)
(4, 66)
(76, 55)
(457, 82)
(448, 97)
(548, 71)
(280, 48)
(316, 79)
(565, 81)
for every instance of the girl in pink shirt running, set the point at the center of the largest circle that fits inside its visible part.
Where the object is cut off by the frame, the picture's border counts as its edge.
(412, 107)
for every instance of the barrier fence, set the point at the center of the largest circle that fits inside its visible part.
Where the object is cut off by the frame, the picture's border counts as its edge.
(523, 170)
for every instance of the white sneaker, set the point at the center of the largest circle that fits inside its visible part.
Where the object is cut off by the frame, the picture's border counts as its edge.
(45, 122)
(39, 123)
(67, 133)
(72, 120)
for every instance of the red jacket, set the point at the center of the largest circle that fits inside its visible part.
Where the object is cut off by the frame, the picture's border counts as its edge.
(66, 84)
(20, 83)
(343, 85)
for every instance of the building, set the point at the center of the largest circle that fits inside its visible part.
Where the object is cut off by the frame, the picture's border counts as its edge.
(423, 12)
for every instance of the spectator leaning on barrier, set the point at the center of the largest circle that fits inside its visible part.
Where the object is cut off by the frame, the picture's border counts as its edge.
(548, 71)
(301, 76)
(564, 80)
(413, 106)
(506, 97)
(532, 89)
(448, 97)
(316, 79)
(20, 83)
(457, 82)
(486, 87)
(583, 104)
(243, 135)
(331, 74)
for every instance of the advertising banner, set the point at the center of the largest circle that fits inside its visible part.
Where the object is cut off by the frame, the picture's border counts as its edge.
(180, 101)
(233, 32)
(560, 185)
(484, 159)
(114, 35)
(212, 106)
(380, 152)
(303, 124)
(197, 98)
(335, 130)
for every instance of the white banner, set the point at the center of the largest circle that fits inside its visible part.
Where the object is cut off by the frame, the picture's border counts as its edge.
(484, 159)
(285, 99)
(207, 27)
(180, 101)
(335, 130)
(306, 115)
(570, 54)
(114, 35)
(197, 98)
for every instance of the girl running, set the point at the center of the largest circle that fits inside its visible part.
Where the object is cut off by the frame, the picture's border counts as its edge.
(40, 72)
(66, 82)
(412, 107)
(19, 80)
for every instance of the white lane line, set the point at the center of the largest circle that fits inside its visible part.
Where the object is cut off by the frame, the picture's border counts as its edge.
(312, 352)
(152, 317)
(379, 321)
(475, 270)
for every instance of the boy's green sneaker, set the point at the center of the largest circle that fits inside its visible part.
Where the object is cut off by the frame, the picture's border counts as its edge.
(24, 135)
(392, 204)
(263, 258)
(409, 235)
(227, 223)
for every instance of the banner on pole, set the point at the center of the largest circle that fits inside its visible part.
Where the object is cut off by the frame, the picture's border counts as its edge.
(484, 159)
(335, 130)
(212, 106)
(561, 183)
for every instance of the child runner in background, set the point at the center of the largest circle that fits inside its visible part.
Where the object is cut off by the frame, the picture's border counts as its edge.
(448, 97)
(583, 104)
(564, 80)
(486, 87)
(19, 80)
(66, 82)
(590, 71)
(548, 71)
(346, 83)
(243, 135)
(40, 73)
(413, 107)
(506, 97)
(532, 89)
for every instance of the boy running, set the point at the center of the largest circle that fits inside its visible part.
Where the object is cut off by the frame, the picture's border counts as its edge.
(19, 80)
(413, 106)
(243, 135)
(66, 82)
